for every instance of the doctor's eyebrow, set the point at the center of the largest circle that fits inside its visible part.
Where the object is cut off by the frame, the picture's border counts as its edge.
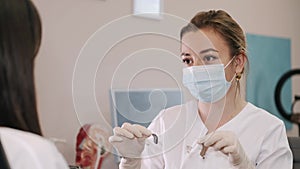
(208, 50)
(185, 54)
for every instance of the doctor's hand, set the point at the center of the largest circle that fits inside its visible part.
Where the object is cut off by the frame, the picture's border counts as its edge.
(228, 143)
(129, 140)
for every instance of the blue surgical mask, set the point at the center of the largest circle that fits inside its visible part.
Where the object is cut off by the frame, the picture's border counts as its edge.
(207, 83)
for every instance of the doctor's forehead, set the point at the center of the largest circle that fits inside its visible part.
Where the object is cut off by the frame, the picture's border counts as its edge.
(196, 41)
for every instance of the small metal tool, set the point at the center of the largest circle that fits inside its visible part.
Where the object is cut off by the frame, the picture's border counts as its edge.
(155, 138)
(203, 151)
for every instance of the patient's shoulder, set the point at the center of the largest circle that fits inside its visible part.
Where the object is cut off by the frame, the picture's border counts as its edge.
(25, 149)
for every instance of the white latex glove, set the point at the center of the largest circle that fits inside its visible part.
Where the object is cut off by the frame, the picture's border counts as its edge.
(228, 143)
(129, 141)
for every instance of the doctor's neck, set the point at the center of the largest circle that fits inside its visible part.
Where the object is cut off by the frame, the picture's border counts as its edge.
(225, 109)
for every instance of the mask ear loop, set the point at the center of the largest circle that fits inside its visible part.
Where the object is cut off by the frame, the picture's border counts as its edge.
(228, 65)
(229, 62)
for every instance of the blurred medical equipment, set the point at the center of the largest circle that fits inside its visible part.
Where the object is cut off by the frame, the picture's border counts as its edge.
(292, 116)
(91, 146)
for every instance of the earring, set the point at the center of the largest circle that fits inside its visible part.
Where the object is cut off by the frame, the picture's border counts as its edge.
(238, 76)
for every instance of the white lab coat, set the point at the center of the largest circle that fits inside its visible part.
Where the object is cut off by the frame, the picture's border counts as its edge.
(261, 134)
(26, 150)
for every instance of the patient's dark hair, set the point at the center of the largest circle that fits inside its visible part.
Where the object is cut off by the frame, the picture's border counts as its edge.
(20, 38)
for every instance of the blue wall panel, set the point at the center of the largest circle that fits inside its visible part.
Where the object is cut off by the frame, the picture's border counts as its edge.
(270, 58)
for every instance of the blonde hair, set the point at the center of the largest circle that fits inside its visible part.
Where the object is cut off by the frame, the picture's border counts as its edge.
(222, 23)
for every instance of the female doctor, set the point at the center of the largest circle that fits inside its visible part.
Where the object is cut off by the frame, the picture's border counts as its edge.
(218, 131)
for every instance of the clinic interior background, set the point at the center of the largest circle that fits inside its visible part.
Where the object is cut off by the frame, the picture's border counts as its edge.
(67, 25)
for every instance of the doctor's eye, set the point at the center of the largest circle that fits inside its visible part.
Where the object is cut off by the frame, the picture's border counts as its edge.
(187, 61)
(209, 58)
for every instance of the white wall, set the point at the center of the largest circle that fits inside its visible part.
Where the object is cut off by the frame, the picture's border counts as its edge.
(67, 24)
